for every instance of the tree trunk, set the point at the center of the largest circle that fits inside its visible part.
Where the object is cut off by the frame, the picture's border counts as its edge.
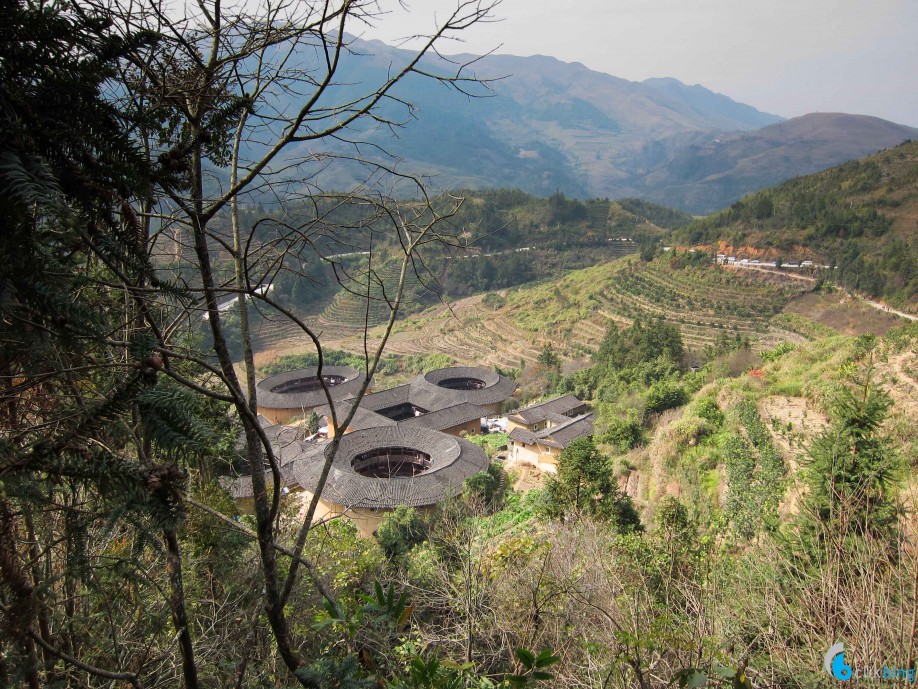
(177, 606)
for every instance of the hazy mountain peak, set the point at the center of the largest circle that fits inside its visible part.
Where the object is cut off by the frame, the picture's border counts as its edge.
(551, 125)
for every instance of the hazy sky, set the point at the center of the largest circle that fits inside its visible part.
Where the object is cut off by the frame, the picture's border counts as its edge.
(787, 57)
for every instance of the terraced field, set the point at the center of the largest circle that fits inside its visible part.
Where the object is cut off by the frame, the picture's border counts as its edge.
(574, 312)
(354, 305)
(703, 302)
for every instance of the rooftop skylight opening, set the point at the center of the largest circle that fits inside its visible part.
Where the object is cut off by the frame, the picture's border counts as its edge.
(391, 462)
(462, 383)
(308, 384)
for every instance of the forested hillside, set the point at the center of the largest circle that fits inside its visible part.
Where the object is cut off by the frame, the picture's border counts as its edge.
(544, 125)
(704, 172)
(497, 239)
(861, 217)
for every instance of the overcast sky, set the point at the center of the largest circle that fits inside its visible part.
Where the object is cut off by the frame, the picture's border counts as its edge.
(787, 57)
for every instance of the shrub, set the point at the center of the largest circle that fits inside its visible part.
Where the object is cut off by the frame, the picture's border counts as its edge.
(665, 395)
(585, 486)
(485, 486)
(708, 410)
(623, 433)
(493, 301)
(688, 432)
(401, 530)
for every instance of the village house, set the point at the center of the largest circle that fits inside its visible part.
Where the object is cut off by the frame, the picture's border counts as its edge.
(404, 445)
(374, 471)
(539, 433)
(291, 395)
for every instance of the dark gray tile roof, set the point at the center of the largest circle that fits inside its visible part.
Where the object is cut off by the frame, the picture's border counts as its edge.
(363, 418)
(386, 398)
(289, 445)
(550, 409)
(521, 435)
(447, 418)
(562, 436)
(497, 388)
(269, 399)
(240, 487)
(452, 461)
(279, 436)
(558, 436)
(446, 407)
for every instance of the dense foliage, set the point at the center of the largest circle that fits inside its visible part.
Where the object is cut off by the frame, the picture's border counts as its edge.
(844, 216)
(585, 487)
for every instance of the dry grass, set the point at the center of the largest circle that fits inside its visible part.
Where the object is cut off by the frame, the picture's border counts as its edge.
(842, 313)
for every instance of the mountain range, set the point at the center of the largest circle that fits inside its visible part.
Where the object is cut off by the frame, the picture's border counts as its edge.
(543, 125)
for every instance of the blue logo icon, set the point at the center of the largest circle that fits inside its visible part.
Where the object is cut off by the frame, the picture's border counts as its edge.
(835, 665)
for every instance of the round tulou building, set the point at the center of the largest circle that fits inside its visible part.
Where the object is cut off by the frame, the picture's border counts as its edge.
(404, 445)
(294, 394)
(469, 384)
(378, 469)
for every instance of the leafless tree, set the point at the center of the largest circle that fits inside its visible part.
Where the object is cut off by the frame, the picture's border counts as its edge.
(227, 92)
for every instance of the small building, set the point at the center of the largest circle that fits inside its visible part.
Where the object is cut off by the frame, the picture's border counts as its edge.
(540, 432)
(542, 449)
(544, 414)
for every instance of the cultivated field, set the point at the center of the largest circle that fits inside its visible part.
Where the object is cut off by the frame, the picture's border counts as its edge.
(572, 313)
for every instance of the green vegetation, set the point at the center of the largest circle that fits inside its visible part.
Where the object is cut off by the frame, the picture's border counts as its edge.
(401, 530)
(585, 487)
(704, 301)
(621, 349)
(511, 239)
(856, 217)
(851, 470)
(492, 443)
(493, 301)
(755, 471)
(661, 216)
(486, 488)
(390, 366)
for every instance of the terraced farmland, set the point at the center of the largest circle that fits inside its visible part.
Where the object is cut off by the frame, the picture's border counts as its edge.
(703, 302)
(354, 305)
(574, 312)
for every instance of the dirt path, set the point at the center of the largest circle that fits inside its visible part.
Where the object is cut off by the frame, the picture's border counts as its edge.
(887, 309)
(875, 304)
(782, 273)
